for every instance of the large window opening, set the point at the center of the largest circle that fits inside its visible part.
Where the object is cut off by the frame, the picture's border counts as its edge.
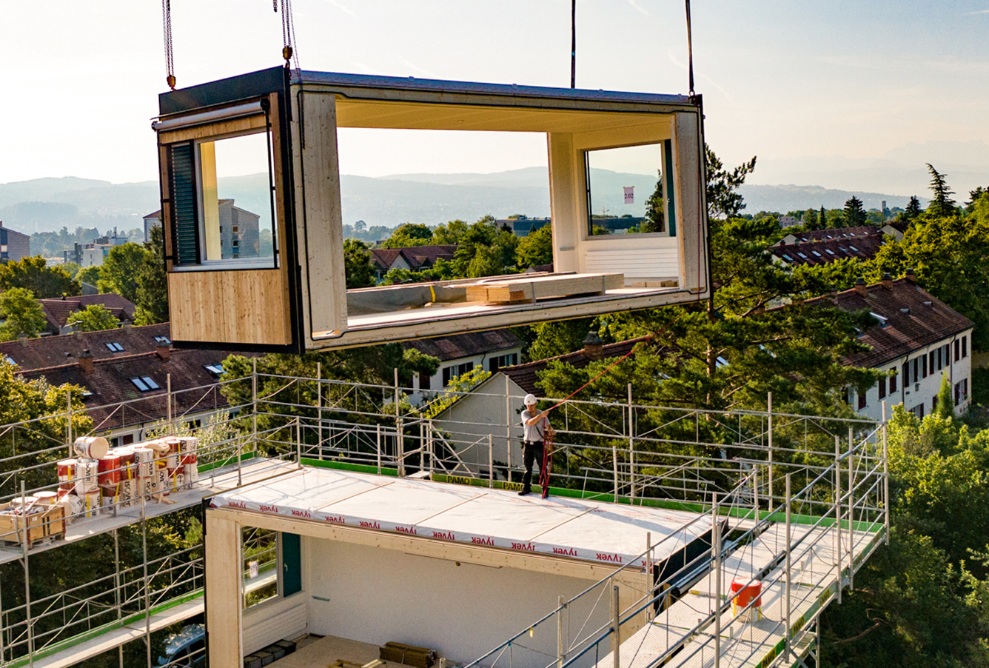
(223, 204)
(259, 567)
(628, 190)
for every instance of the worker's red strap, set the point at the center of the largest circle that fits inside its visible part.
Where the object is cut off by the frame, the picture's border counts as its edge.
(595, 379)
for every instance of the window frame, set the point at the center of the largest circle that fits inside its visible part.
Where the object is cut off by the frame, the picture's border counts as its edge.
(194, 167)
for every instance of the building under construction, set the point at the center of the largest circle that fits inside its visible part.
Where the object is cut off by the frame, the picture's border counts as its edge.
(344, 523)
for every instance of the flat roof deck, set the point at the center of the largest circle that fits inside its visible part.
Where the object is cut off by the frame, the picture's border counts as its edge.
(562, 527)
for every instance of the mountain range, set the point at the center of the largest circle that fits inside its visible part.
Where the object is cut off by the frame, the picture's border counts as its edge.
(47, 205)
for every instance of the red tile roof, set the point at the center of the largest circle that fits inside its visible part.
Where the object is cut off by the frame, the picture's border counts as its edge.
(467, 345)
(914, 319)
(526, 375)
(57, 311)
(52, 351)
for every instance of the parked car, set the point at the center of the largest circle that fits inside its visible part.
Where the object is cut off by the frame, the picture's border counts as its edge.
(185, 649)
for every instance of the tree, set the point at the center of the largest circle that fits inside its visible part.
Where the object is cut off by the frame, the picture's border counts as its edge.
(655, 209)
(152, 284)
(93, 318)
(912, 212)
(822, 219)
(948, 255)
(44, 282)
(941, 204)
(409, 234)
(535, 248)
(945, 403)
(854, 213)
(89, 275)
(21, 314)
(120, 270)
(357, 263)
(723, 199)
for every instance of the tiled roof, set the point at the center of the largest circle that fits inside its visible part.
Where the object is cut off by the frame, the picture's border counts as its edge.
(53, 351)
(913, 319)
(57, 311)
(526, 375)
(110, 383)
(414, 256)
(824, 251)
(836, 233)
(467, 345)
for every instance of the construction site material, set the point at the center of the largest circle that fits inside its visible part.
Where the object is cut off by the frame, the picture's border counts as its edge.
(27, 520)
(542, 287)
(410, 655)
(91, 447)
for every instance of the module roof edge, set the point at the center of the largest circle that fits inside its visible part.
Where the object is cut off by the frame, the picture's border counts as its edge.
(472, 87)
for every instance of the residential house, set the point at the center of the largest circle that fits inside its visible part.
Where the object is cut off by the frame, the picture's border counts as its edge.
(14, 245)
(459, 354)
(498, 400)
(57, 310)
(131, 364)
(917, 339)
(414, 258)
(824, 246)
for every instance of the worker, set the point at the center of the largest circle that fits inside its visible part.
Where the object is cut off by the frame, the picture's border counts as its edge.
(536, 427)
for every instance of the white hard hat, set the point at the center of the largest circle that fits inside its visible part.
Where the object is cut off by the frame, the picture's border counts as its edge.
(530, 400)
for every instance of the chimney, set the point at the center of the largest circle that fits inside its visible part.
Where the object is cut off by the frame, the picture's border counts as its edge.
(163, 351)
(887, 281)
(910, 276)
(86, 361)
(593, 346)
(860, 286)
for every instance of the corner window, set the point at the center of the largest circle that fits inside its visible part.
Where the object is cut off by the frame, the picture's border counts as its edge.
(627, 190)
(219, 185)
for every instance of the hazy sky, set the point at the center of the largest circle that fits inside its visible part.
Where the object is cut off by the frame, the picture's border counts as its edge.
(840, 93)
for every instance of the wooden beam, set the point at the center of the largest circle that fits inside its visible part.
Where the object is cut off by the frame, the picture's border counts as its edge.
(224, 606)
(542, 287)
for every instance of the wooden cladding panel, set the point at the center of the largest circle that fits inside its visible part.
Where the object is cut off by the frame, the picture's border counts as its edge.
(246, 306)
(649, 262)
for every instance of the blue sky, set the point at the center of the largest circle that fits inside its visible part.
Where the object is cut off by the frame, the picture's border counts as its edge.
(852, 95)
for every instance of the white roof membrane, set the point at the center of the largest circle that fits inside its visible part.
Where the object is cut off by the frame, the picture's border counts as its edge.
(571, 528)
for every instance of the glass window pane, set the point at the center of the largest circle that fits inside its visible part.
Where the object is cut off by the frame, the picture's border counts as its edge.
(235, 199)
(625, 190)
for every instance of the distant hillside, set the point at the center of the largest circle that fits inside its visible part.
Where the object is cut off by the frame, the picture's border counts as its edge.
(47, 205)
(792, 198)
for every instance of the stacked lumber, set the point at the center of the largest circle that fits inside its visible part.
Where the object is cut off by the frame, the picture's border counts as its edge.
(536, 288)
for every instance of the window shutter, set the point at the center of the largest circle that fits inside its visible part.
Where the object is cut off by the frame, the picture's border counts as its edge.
(184, 205)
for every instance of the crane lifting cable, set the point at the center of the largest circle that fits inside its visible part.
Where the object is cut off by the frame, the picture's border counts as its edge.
(289, 53)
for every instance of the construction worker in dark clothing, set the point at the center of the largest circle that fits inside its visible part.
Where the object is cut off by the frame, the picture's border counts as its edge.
(536, 426)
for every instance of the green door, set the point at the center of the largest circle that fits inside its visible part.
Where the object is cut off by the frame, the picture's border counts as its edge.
(291, 564)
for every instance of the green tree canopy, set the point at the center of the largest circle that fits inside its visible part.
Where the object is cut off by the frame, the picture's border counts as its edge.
(854, 213)
(357, 263)
(941, 204)
(93, 318)
(409, 234)
(121, 268)
(535, 248)
(44, 282)
(21, 314)
(152, 285)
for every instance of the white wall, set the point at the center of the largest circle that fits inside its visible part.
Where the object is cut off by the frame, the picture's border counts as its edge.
(484, 411)
(376, 595)
(921, 391)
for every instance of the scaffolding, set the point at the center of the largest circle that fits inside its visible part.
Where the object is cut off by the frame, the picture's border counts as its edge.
(784, 490)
